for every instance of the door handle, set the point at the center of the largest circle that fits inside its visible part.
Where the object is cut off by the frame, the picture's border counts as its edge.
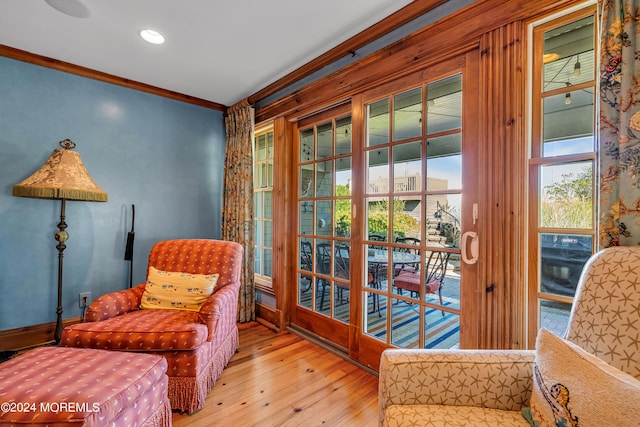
(473, 247)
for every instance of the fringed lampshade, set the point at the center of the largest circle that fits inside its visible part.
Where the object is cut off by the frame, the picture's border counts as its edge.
(64, 177)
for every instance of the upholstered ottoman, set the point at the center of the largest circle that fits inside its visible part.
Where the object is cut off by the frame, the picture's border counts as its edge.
(57, 386)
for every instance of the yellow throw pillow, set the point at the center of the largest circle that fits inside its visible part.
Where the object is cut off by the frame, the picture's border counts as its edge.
(574, 388)
(176, 290)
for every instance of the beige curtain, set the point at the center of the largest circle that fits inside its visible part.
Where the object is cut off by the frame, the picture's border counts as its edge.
(619, 123)
(237, 214)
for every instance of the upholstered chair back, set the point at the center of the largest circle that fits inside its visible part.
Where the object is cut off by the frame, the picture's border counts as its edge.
(605, 319)
(199, 257)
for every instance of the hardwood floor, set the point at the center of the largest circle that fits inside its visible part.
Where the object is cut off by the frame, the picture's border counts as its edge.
(280, 379)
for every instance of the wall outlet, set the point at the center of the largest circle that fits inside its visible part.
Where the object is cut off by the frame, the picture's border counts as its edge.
(84, 299)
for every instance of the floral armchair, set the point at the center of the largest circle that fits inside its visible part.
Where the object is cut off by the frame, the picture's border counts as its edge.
(196, 344)
(491, 387)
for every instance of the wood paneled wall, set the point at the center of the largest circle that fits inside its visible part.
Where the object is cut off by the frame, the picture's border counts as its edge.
(502, 182)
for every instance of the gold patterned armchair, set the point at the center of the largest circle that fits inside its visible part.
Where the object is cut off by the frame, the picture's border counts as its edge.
(492, 387)
(195, 332)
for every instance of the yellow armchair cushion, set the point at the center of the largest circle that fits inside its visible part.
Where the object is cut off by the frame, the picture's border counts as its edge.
(176, 290)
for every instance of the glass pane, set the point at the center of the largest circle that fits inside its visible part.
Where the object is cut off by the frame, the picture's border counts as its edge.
(306, 181)
(406, 218)
(305, 259)
(407, 114)
(342, 226)
(378, 171)
(375, 315)
(261, 148)
(343, 136)
(323, 179)
(268, 233)
(269, 173)
(304, 290)
(341, 307)
(268, 258)
(568, 54)
(257, 260)
(378, 123)
(568, 123)
(567, 195)
(407, 165)
(305, 219)
(343, 176)
(444, 162)
(405, 324)
(258, 204)
(258, 233)
(270, 145)
(377, 219)
(444, 104)
(324, 141)
(441, 331)
(268, 204)
(324, 217)
(323, 296)
(324, 257)
(562, 259)
(306, 145)
(554, 316)
(443, 220)
(342, 261)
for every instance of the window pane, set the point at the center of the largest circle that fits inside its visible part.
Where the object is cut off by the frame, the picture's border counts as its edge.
(258, 233)
(377, 218)
(378, 123)
(306, 181)
(343, 176)
(444, 162)
(305, 219)
(568, 123)
(324, 218)
(324, 141)
(257, 260)
(444, 104)
(323, 179)
(261, 147)
(568, 54)
(443, 219)
(268, 204)
(378, 171)
(270, 145)
(407, 114)
(306, 145)
(268, 258)
(562, 258)
(406, 218)
(407, 165)
(343, 136)
(441, 332)
(257, 204)
(268, 233)
(567, 196)
(554, 316)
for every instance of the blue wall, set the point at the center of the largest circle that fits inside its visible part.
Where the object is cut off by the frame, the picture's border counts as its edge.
(164, 156)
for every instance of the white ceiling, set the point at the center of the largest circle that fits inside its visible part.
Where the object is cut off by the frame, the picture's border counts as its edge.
(221, 51)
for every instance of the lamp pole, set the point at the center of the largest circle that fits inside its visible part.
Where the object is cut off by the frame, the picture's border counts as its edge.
(61, 236)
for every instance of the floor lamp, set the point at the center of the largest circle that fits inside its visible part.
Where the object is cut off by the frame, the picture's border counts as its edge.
(62, 177)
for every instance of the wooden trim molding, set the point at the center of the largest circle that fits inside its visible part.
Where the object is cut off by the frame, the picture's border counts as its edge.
(31, 336)
(43, 61)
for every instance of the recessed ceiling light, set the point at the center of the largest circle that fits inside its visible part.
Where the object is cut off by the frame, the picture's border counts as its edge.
(152, 36)
(75, 8)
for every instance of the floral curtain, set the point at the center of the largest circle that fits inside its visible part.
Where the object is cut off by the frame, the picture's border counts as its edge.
(619, 123)
(237, 214)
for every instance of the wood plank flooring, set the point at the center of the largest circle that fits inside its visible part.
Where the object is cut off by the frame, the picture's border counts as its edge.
(280, 379)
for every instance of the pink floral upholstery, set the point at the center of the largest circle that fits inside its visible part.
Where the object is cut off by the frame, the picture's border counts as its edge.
(196, 345)
(105, 388)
